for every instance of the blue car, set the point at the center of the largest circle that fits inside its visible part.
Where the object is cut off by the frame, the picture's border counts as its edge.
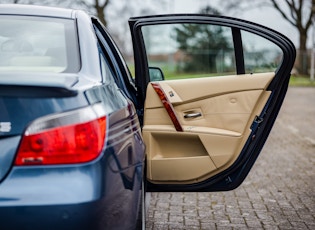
(82, 139)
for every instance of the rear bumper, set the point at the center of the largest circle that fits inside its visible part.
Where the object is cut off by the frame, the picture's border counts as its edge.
(74, 216)
(50, 198)
(51, 185)
(80, 197)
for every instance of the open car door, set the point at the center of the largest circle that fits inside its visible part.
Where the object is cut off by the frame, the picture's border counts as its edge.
(210, 89)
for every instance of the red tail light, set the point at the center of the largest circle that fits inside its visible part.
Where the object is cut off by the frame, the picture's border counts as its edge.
(67, 138)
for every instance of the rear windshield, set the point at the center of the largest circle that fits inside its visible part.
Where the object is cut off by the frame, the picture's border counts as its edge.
(38, 44)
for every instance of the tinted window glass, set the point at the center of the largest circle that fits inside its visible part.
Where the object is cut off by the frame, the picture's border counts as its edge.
(190, 50)
(38, 44)
(106, 72)
(260, 54)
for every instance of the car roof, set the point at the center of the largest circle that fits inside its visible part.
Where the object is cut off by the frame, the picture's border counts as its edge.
(33, 10)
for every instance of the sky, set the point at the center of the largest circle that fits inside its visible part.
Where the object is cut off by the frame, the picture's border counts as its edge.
(266, 16)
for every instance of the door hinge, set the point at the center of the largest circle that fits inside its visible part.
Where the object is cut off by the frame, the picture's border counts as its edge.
(228, 180)
(257, 121)
(140, 113)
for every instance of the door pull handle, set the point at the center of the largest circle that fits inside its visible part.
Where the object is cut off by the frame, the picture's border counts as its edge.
(192, 115)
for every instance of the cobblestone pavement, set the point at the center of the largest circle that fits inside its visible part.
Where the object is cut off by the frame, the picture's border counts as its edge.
(278, 193)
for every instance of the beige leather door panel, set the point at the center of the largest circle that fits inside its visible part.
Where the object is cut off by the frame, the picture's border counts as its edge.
(215, 113)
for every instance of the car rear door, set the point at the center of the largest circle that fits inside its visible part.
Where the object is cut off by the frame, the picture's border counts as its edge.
(210, 88)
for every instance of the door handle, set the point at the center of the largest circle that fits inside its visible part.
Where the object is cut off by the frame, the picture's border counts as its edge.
(192, 115)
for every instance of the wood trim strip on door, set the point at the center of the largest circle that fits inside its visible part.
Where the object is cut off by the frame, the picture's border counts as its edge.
(168, 106)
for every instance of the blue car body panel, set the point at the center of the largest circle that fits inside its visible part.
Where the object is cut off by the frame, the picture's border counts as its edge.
(94, 195)
(111, 182)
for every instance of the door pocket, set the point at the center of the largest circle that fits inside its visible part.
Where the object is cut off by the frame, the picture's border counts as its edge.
(187, 156)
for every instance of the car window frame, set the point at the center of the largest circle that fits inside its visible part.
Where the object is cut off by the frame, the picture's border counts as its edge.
(122, 74)
(107, 55)
(71, 39)
(102, 56)
(141, 63)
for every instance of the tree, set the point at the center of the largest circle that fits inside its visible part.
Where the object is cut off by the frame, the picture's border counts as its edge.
(201, 43)
(301, 20)
(113, 14)
(96, 6)
(299, 13)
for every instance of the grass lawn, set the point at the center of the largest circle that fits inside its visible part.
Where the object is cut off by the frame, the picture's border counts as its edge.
(297, 80)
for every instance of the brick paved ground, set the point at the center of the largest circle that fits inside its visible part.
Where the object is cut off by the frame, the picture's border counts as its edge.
(279, 192)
